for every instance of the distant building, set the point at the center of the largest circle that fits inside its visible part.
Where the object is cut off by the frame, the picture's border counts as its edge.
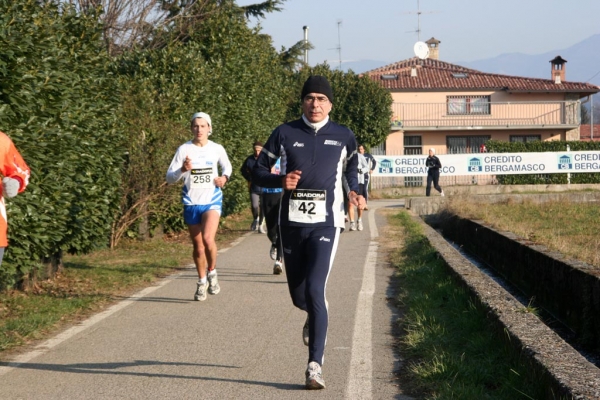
(456, 109)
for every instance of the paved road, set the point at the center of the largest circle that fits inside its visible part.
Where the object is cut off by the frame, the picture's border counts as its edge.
(244, 343)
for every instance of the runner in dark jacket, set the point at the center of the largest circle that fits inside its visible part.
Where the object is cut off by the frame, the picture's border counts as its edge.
(433, 172)
(315, 154)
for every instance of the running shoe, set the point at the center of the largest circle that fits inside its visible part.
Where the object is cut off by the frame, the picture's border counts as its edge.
(442, 193)
(262, 228)
(314, 376)
(200, 294)
(254, 225)
(213, 283)
(352, 226)
(277, 268)
(273, 252)
(305, 337)
(359, 225)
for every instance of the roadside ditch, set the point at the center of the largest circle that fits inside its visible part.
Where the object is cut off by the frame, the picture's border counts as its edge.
(547, 306)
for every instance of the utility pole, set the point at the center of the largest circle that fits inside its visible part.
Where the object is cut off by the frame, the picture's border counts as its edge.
(339, 24)
(339, 46)
(592, 118)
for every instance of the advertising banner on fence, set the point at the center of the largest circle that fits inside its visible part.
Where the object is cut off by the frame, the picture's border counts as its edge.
(492, 163)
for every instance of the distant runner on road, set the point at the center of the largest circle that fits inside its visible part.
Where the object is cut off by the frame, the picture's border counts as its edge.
(270, 201)
(196, 162)
(315, 153)
(254, 190)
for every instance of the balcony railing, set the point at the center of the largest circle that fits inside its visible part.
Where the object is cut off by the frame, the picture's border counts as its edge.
(486, 115)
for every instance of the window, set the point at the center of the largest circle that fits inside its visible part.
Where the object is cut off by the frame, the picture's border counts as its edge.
(378, 150)
(412, 145)
(466, 144)
(524, 138)
(467, 105)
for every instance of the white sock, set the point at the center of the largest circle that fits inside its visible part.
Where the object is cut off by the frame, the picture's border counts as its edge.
(202, 281)
(213, 272)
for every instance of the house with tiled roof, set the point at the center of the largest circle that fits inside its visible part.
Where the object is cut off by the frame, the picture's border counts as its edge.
(589, 132)
(455, 109)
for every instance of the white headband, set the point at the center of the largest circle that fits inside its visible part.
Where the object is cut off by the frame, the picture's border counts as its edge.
(204, 116)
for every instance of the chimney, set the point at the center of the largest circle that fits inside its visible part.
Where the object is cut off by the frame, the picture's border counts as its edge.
(413, 72)
(434, 46)
(558, 69)
(305, 29)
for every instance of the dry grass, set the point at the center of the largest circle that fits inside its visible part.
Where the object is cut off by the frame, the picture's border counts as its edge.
(569, 228)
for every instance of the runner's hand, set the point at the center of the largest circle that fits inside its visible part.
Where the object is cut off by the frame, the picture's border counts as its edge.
(10, 187)
(357, 200)
(220, 181)
(187, 164)
(290, 181)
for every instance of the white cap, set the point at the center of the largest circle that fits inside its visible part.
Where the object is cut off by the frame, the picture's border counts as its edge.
(204, 116)
(431, 149)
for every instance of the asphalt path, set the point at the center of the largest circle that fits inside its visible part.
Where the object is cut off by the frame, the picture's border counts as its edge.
(244, 343)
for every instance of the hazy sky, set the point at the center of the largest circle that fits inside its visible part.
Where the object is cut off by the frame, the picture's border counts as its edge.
(385, 30)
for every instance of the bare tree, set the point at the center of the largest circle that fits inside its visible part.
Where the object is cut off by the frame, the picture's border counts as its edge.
(132, 23)
(126, 23)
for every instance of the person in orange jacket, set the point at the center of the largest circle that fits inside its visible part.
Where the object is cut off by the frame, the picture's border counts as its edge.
(15, 174)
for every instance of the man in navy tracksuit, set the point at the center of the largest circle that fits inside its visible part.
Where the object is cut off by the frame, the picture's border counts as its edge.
(315, 153)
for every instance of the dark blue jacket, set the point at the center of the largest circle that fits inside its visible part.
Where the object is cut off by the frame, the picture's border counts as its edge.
(246, 171)
(323, 157)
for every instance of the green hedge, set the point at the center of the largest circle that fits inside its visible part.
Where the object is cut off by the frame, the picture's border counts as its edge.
(57, 103)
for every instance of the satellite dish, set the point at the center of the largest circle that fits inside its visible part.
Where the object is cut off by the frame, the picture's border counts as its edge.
(421, 50)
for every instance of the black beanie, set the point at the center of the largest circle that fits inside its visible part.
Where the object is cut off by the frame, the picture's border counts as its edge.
(317, 84)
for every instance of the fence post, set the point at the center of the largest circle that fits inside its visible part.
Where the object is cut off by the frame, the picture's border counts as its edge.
(568, 173)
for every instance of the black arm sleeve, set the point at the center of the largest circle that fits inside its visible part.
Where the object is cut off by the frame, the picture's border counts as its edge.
(245, 171)
(261, 173)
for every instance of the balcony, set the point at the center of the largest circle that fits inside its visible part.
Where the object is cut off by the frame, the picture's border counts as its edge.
(486, 115)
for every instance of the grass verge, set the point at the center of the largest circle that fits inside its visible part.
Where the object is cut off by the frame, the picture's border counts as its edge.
(90, 282)
(449, 346)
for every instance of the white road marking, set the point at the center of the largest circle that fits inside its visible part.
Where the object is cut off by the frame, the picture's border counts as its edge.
(69, 333)
(361, 362)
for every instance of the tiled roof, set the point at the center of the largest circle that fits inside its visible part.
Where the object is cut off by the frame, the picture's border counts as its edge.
(439, 75)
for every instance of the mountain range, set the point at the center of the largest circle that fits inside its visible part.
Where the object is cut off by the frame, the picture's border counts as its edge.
(583, 63)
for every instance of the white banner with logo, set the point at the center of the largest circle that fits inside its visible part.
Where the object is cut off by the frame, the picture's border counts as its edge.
(491, 163)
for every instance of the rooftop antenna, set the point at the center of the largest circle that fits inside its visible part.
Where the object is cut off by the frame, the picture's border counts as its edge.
(339, 46)
(419, 12)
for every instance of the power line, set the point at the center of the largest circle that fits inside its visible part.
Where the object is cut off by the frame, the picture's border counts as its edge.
(593, 76)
